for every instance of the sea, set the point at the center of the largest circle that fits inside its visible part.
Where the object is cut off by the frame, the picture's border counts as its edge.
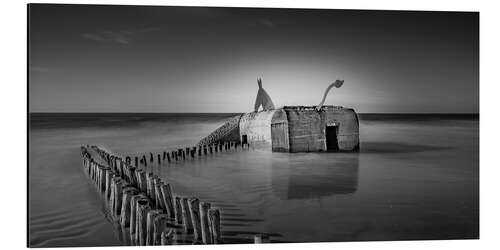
(416, 177)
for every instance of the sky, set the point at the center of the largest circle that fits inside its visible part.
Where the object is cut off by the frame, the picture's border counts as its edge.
(91, 58)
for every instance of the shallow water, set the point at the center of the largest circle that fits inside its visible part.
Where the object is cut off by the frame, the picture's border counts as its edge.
(416, 177)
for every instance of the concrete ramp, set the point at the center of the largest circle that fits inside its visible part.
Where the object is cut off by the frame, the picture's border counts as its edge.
(228, 132)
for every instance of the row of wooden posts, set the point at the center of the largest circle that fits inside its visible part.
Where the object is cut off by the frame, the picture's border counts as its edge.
(144, 203)
(184, 153)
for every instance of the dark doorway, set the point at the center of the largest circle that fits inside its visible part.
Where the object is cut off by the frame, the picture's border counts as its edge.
(244, 139)
(331, 138)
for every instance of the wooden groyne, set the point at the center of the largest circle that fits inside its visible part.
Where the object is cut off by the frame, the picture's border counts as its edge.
(145, 206)
(181, 154)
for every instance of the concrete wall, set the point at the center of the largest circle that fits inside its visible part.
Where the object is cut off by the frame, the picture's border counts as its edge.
(279, 132)
(347, 120)
(306, 130)
(293, 129)
(257, 127)
(228, 132)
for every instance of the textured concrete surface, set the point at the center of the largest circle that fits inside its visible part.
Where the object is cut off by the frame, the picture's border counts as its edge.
(291, 129)
(229, 131)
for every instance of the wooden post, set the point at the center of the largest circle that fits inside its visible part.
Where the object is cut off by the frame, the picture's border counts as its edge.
(210, 149)
(257, 239)
(205, 228)
(159, 226)
(166, 193)
(143, 207)
(194, 210)
(168, 157)
(150, 157)
(167, 237)
(133, 212)
(186, 216)
(187, 151)
(102, 179)
(117, 194)
(141, 180)
(172, 154)
(204, 149)
(136, 161)
(159, 161)
(176, 156)
(199, 150)
(178, 210)
(150, 225)
(214, 221)
(183, 154)
(150, 186)
(158, 196)
(144, 160)
(164, 155)
(131, 175)
(127, 194)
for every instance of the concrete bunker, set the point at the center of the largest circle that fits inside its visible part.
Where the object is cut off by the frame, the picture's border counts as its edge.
(302, 129)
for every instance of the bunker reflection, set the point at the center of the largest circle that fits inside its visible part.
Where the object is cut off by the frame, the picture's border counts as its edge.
(300, 180)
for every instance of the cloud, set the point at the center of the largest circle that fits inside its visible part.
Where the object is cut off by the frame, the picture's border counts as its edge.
(262, 22)
(266, 22)
(40, 69)
(121, 37)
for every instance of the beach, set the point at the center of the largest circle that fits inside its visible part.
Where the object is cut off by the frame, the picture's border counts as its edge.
(415, 177)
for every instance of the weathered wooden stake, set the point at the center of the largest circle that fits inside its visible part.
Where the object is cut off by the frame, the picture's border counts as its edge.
(205, 228)
(186, 216)
(178, 210)
(199, 150)
(214, 221)
(136, 161)
(260, 238)
(150, 186)
(127, 195)
(194, 210)
(159, 161)
(133, 212)
(150, 225)
(167, 237)
(143, 207)
(117, 196)
(166, 192)
(168, 157)
(159, 226)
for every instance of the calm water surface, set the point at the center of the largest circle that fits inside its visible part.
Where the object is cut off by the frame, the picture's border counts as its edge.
(416, 177)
